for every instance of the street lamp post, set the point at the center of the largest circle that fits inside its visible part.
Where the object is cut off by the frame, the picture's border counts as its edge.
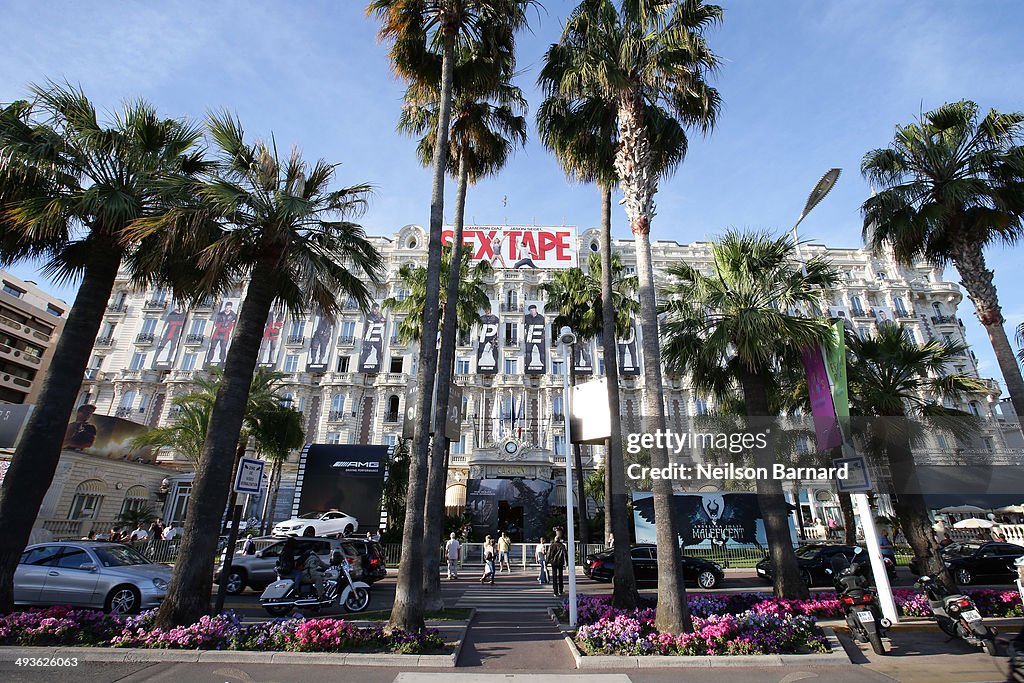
(822, 188)
(567, 339)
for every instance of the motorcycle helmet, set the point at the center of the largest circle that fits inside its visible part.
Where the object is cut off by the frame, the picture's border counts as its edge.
(337, 558)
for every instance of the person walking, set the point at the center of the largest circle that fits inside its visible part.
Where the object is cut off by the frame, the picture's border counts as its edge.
(557, 557)
(504, 545)
(490, 551)
(886, 547)
(541, 555)
(453, 551)
(249, 547)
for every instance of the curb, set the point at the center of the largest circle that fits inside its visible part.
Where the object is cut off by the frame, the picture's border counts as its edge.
(131, 655)
(837, 656)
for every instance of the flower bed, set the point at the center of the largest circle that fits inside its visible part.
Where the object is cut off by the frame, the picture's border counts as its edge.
(63, 626)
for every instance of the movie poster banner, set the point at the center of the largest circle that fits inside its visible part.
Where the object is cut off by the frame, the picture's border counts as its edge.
(521, 507)
(583, 357)
(371, 353)
(519, 246)
(707, 519)
(629, 359)
(271, 342)
(535, 348)
(170, 335)
(224, 321)
(344, 477)
(488, 352)
(320, 343)
(106, 436)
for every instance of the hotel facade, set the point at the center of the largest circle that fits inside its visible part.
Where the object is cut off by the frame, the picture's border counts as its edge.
(350, 376)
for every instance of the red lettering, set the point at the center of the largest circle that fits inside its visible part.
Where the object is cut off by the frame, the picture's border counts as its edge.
(547, 241)
(486, 248)
(513, 248)
(562, 247)
(446, 236)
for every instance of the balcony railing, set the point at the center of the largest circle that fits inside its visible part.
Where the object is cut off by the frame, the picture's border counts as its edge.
(346, 341)
(105, 341)
(205, 305)
(296, 339)
(943, 319)
(339, 415)
(124, 411)
(120, 307)
(144, 338)
(512, 341)
(195, 338)
(391, 417)
(155, 304)
(511, 308)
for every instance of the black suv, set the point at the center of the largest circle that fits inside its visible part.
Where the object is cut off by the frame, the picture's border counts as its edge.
(371, 565)
(813, 559)
(978, 561)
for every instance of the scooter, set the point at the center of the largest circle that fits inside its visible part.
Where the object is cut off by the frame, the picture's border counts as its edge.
(957, 615)
(860, 604)
(282, 596)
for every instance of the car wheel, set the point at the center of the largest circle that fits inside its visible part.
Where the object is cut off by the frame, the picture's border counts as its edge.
(963, 577)
(124, 600)
(808, 579)
(707, 579)
(236, 582)
(310, 531)
(349, 529)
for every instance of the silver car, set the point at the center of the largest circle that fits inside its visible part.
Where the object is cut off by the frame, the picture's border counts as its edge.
(107, 576)
(260, 570)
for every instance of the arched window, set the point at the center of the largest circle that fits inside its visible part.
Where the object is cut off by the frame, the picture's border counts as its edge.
(88, 499)
(937, 308)
(287, 399)
(974, 409)
(901, 308)
(135, 498)
(700, 407)
(856, 305)
(392, 414)
(338, 404)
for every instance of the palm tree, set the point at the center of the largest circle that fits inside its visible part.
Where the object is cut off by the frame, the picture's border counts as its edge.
(891, 375)
(285, 231)
(416, 29)
(69, 187)
(951, 185)
(647, 55)
(732, 328)
(577, 296)
(486, 125)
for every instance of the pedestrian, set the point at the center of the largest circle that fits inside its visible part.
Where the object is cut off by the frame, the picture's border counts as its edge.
(831, 527)
(490, 552)
(91, 536)
(453, 551)
(541, 555)
(504, 545)
(249, 547)
(611, 540)
(139, 534)
(557, 557)
(886, 546)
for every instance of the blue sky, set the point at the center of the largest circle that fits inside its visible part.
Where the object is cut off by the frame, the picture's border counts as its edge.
(807, 85)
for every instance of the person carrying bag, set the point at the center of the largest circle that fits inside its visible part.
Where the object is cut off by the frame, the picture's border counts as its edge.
(557, 557)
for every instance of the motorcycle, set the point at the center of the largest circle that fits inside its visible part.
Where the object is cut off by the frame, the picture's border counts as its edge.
(957, 615)
(860, 603)
(282, 596)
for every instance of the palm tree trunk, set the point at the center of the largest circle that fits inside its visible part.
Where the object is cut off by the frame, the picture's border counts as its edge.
(849, 522)
(437, 476)
(581, 494)
(272, 488)
(633, 164)
(774, 510)
(624, 594)
(407, 612)
(969, 259)
(35, 460)
(188, 595)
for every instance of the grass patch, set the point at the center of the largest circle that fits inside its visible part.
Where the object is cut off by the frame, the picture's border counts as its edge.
(450, 614)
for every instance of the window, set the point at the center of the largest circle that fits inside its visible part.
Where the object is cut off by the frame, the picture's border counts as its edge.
(397, 363)
(13, 290)
(556, 406)
(862, 332)
(144, 402)
(901, 308)
(136, 498)
(138, 361)
(700, 407)
(462, 366)
(198, 325)
(459, 447)
(149, 326)
(348, 329)
(941, 441)
(160, 295)
(403, 294)
(512, 299)
(856, 305)
(559, 444)
(181, 497)
(334, 437)
(342, 365)
(600, 366)
(392, 440)
(97, 362)
(937, 308)
(73, 558)
(395, 324)
(108, 330)
(338, 403)
(557, 367)
(972, 407)
(291, 362)
(297, 328)
(511, 366)
(286, 400)
(511, 334)
(127, 399)
(88, 499)
(188, 361)
(54, 311)
(41, 557)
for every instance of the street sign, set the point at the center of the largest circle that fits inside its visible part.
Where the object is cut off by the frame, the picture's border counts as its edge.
(249, 478)
(858, 478)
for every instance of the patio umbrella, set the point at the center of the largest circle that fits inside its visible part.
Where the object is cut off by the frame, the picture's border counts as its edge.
(974, 523)
(962, 509)
(1012, 510)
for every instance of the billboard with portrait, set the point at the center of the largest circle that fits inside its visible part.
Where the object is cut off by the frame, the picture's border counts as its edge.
(534, 339)
(224, 321)
(519, 246)
(170, 335)
(106, 436)
(629, 358)
(486, 498)
(707, 519)
(320, 343)
(270, 344)
(488, 351)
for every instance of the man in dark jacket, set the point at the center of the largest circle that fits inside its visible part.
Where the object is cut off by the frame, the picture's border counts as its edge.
(557, 558)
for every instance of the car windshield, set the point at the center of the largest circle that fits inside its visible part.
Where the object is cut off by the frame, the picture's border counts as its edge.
(118, 556)
(311, 515)
(962, 548)
(808, 552)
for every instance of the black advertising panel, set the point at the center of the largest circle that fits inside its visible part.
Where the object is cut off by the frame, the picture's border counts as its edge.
(583, 358)
(345, 477)
(534, 340)
(629, 360)
(320, 344)
(519, 506)
(707, 519)
(371, 354)
(487, 349)
(12, 419)
(167, 344)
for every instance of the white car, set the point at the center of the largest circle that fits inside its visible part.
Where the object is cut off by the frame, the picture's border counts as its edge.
(330, 523)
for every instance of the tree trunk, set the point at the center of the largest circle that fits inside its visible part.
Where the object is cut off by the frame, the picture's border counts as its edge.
(624, 594)
(437, 476)
(581, 494)
(787, 581)
(849, 522)
(633, 164)
(272, 489)
(969, 259)
(35, 460)
(407, 612)
(188, 595)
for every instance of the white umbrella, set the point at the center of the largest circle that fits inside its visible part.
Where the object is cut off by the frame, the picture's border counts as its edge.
(974, 523)
(962, 509)
(1011, 510)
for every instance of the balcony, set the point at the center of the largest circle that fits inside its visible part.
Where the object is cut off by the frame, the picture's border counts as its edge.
(154, 305)
(144, 338)
(943, 319)
(124, 411)
(18, 356)
(15, 382)
(92, 373)
(205, 305)
(511, 308)
(131, 373)
(120, 307)
(346, 341)
(391, 417)
(339, 415)
(182, 374)
(859, 313)
(295, 340)
(558, 417)
(194, 339)
(105, 342)
(514, 341)
(25, 331)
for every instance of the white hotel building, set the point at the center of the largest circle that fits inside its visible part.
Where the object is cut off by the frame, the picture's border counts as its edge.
(343, 405)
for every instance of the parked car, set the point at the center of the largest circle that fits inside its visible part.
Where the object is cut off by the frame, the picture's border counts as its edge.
(814, 558)
(96, 574)
(260, 570)
(977, 561)
(371, 566)
(321, 523)
(703, 573)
